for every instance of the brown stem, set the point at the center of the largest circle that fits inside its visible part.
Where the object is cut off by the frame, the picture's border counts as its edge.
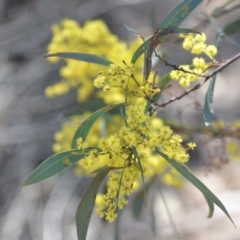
(221, 67)
(175, 67)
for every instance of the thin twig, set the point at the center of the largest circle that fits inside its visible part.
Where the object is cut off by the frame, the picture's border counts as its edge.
(175, 67)
(221, 67)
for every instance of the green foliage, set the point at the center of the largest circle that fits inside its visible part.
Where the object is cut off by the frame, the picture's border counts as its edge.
(168, 25)
(85, 208)
(210, 206)
(131, 30)
(208, 112)
(141, 169)
(85, 57)
(63, 160)
(55, 164)
(150, 44)
(140, 199)
(86, 126)
(208, 108)
(164, 81)
(179, 13)
(211, 198)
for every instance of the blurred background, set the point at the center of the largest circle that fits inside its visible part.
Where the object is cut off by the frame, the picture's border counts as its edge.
(28, 121)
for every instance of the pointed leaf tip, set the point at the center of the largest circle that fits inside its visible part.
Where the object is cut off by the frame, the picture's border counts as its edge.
(55, 164)
(208, 104)
(198, 184)
(86, 125)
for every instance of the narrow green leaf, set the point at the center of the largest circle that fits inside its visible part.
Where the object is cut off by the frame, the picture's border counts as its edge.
(152, 17)
(85, 57)
(153, 218)
(138, 203)
(119, 188)
(104, 168)
(141, 169)
(179, 13)
(148, 107)
(141, 49)
(85, 208)
(154, 41)
(232, 28)
(139, 200)
(216, 24)
(172, 20)
(85, 127)
(123, 115)
(117, 226)
(131, 30)
(218, 43)
(197, 183)
(221, 31)
(55, 164)
(164, 81)
(208, 107)
(210, 206)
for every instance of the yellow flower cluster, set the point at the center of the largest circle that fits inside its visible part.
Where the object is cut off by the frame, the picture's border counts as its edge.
(124, 79)
(63, 138)
(131, 148)
(196, 45)
(94, 38)
(117, 77)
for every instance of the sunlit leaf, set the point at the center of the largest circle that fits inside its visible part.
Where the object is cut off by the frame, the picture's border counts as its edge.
(85, 208)
(208, 106)
(197, 183)
(179, 13)
(86, 126)
(84, 57)
(56, 164)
